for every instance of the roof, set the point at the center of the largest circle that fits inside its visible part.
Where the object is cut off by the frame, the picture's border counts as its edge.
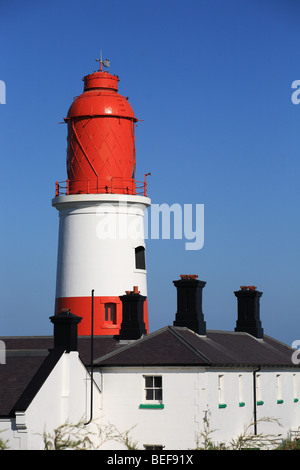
(179, 346)
(29, 360)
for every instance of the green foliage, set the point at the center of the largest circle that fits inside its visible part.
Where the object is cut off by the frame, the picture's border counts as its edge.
(203, 439)
(291, 444)
(3, 444)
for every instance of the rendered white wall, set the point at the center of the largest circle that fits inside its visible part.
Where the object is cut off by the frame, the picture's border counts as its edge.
(64, 397)
(173, 426)
(189, 396)
(288, 412)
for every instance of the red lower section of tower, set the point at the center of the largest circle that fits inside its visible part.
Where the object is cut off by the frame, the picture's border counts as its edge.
(107, 314)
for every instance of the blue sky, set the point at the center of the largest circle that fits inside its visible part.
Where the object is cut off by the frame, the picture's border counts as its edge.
(211, 81)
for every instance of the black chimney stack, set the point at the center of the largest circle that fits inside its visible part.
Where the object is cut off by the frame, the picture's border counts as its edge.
(189, 303)
(133, 325)
(65, 330)
(249, 311)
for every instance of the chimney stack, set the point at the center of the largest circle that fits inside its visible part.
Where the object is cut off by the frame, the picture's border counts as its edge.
(249, 311)
(133, 325)
(189, 303)
(65, 330)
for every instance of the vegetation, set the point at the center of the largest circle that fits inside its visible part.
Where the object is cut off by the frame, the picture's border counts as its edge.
(290, 444)
(3, 444)
(248, 440)
(80, 437)
(244, 441)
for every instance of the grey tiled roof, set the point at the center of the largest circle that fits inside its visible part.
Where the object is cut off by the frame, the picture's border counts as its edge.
(181, 346)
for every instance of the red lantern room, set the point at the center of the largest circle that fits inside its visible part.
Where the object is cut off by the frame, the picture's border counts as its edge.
(101, 141)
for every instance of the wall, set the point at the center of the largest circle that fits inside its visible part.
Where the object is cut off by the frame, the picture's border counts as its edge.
(189, 396)
(282, 404)
(64, 397)
(97, 238)
(173, 426)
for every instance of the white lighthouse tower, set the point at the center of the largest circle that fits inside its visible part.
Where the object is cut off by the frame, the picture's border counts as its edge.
(101, 208)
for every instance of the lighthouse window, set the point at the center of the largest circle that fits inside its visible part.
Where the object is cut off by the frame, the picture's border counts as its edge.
(140, 262)
(110, 312)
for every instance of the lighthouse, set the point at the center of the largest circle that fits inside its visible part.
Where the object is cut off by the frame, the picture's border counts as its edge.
(101, 243)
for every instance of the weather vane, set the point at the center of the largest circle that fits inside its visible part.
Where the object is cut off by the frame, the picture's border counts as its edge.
(105, 62)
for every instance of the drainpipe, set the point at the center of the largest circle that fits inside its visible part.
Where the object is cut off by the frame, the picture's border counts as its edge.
(92, 357)
(254, 400)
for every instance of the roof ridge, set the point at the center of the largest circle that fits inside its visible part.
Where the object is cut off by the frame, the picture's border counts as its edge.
(130, 345)
(177, 335)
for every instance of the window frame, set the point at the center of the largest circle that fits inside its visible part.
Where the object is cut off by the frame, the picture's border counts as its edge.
(110, 313)
(153, 447)
(140, 258)
(157, 389)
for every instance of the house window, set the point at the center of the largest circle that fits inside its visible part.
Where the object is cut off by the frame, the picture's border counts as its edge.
(295, 388)
(279, 388)
(259, 390)
(140, 262)
(153, 388)
(153, 447)
(241, 391)
(221, 389)
(110, 312)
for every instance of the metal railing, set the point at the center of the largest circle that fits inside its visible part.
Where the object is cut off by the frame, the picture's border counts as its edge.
(99, 186)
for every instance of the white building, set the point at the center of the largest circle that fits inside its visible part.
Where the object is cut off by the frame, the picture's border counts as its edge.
(163, 388)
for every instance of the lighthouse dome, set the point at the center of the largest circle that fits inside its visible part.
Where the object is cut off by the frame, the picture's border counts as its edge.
(101, 139)
(100, 98)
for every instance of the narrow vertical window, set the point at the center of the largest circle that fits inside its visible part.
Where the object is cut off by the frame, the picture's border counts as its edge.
(279, 388)
(258, 390)
(140, 262)
(110, 313)
(221, 391)
(295, 388)
(241, 391)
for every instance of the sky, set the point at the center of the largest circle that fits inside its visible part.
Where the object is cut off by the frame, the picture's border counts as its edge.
(211, 83)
